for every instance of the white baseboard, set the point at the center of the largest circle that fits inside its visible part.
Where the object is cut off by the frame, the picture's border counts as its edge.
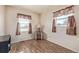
(19, 40)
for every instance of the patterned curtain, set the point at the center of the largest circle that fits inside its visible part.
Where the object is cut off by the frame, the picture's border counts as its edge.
(71, 26)
(30, 25)
(65, 11)
(53, 26)
(17, 29)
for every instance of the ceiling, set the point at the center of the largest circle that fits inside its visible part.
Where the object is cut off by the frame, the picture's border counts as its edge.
(41, 8)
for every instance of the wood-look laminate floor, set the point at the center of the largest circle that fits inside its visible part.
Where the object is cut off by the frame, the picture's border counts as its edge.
(38, 46)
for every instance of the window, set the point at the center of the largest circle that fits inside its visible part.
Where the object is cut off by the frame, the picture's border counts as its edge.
(65, 18)
(23, 24)
(62, 20)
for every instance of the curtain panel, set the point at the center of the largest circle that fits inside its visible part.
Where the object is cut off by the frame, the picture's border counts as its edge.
(17, 29)
(65, 11)
(30, 25)
(23, 16)
(71, 26)
(53, 26)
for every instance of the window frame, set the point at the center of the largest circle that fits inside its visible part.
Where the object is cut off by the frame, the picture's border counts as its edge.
(63, 17)
(24, 25)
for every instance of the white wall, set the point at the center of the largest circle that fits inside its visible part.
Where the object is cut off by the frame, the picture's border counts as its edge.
(2, 20)
(11, 13)
(70, 42)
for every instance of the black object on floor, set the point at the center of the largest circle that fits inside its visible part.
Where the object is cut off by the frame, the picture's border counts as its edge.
(5, 43)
